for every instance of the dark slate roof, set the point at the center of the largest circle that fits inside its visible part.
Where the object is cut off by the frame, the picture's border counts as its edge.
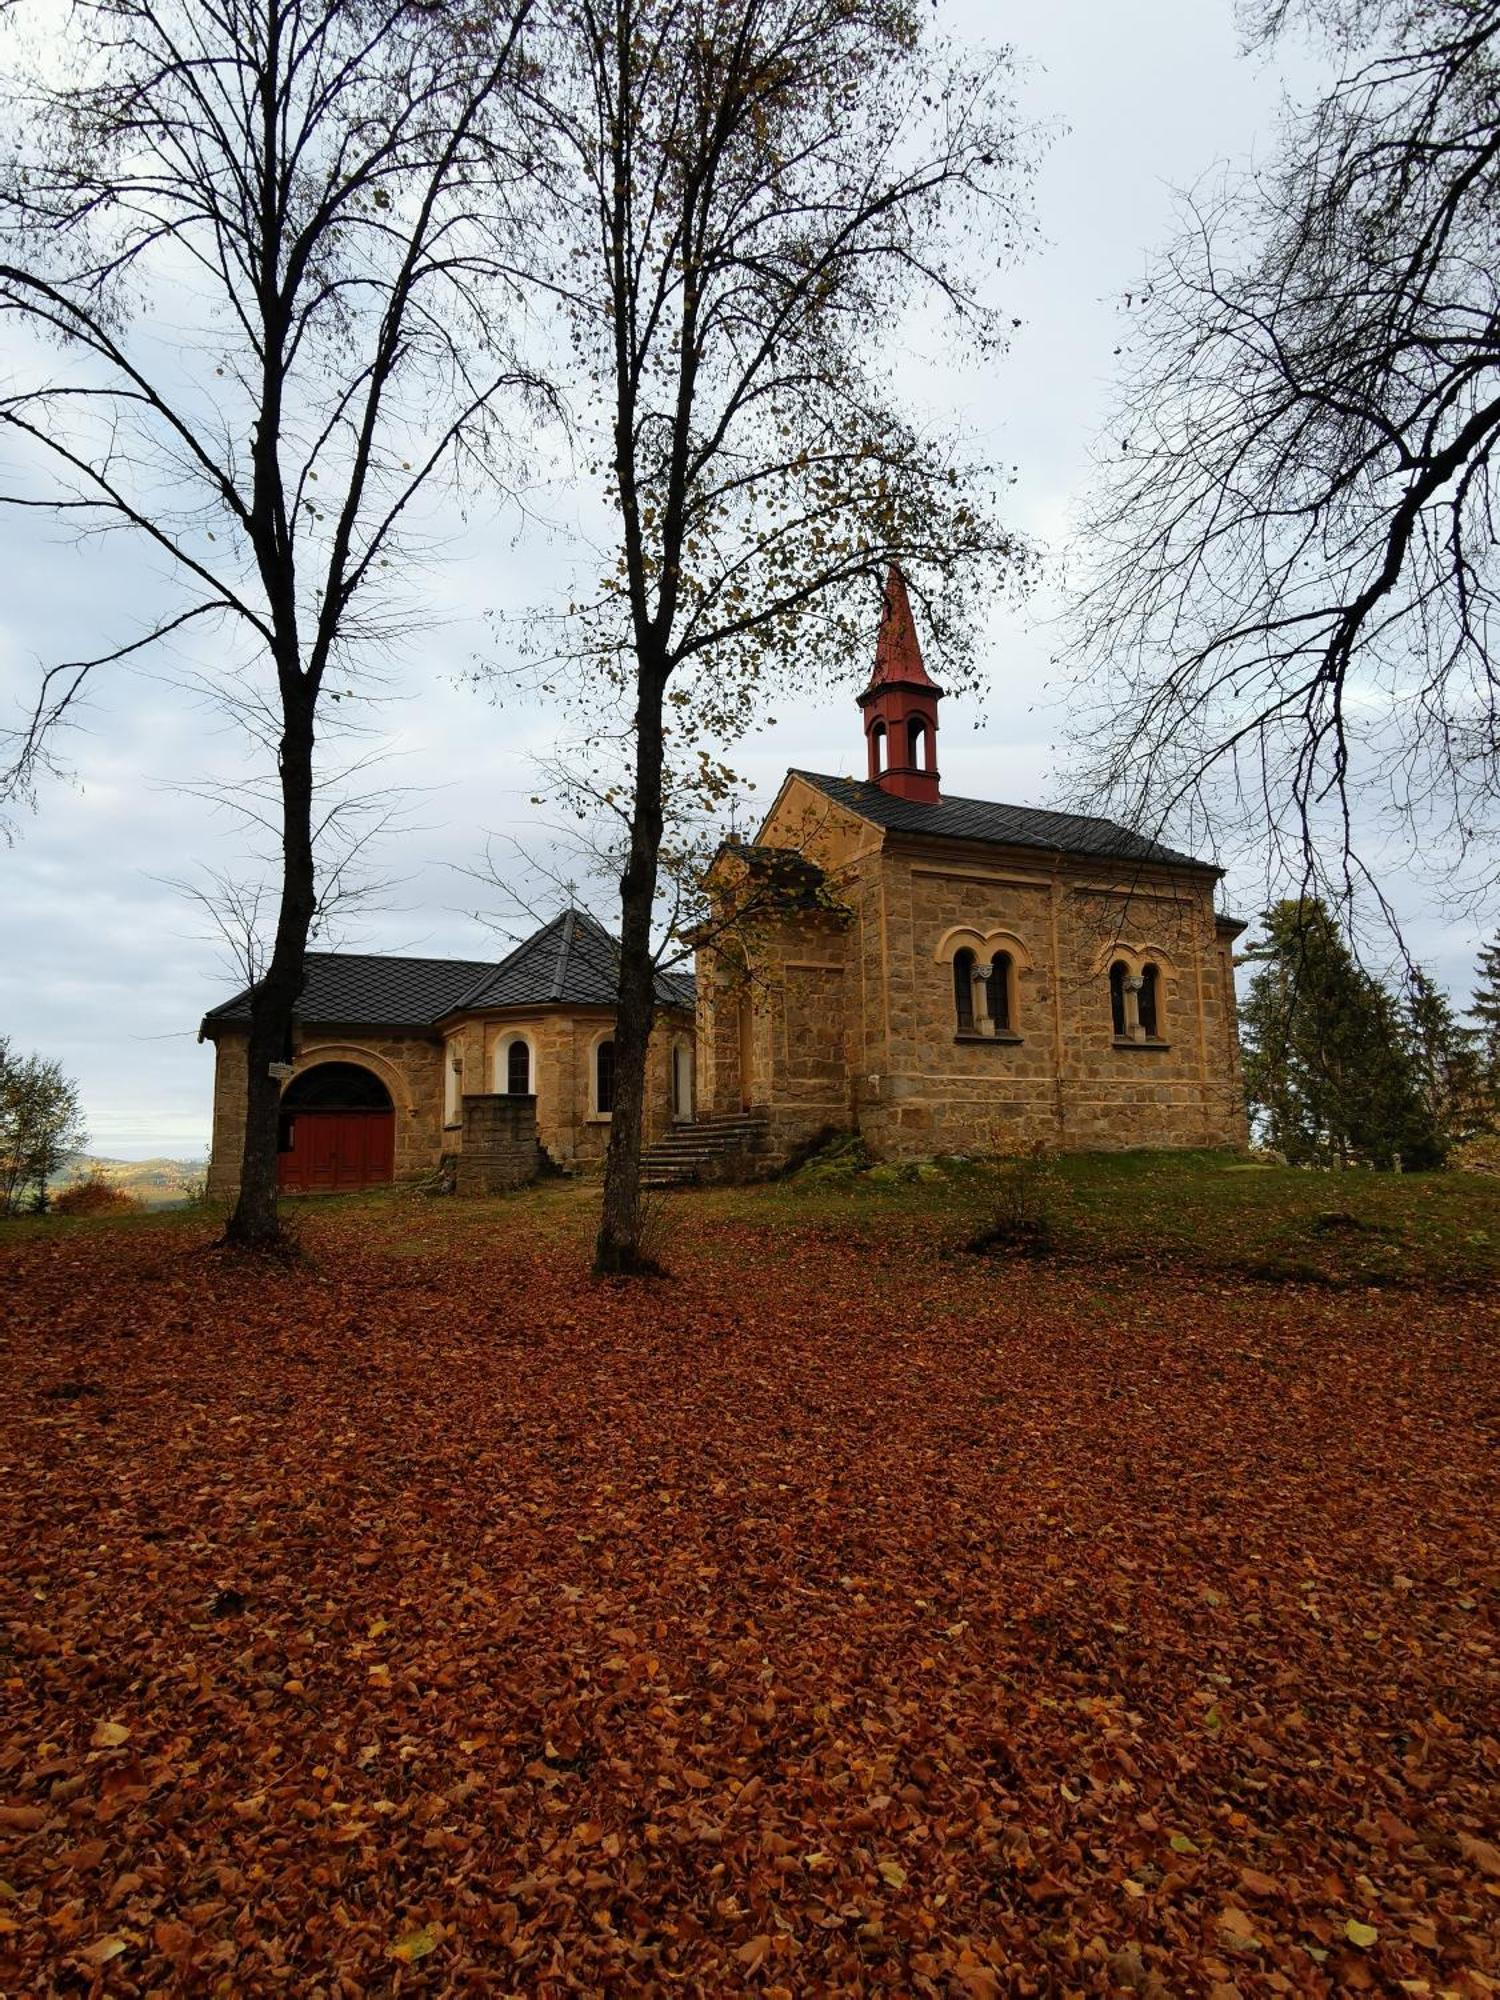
(573, 961)
(355, 989)
(1004, 826)
(570, 961)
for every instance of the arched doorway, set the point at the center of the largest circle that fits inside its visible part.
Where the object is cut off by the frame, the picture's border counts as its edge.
(338, 1130)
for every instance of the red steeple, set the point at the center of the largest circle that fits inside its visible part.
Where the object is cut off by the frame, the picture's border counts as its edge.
(900, 704)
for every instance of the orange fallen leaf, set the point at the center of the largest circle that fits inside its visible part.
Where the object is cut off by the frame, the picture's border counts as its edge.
(1483, 1853)
(1254, 1883)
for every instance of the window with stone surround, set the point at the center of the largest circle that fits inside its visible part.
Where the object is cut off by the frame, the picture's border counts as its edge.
(604, 1078)
(963, 990)
(1147, 1002)
(1118, 974)
(1135, 1003)
(514, 1067)
(1001, 993)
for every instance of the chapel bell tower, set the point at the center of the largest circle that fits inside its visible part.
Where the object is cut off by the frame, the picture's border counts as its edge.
(900, 705)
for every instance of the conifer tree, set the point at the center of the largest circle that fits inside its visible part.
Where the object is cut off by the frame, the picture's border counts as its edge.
(1446, 1066)
(1329, 1069)
(1486, 1013)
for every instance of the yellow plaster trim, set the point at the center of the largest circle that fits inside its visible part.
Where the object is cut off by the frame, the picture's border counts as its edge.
(1008, 881)
(1135, 958)
(966, 936)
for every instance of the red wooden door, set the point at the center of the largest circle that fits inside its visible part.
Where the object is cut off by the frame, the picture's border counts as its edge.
(334, 1151)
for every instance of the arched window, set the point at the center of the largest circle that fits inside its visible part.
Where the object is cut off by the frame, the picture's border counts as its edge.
(1117, 978)
(1147, 1003)
(963, 991)
(1002, 967)
(879, 748)
(916, 743)
(452, 1084)
(604, 1078)
(518, 1069)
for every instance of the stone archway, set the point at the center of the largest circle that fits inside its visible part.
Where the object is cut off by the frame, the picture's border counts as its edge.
(338, 1130)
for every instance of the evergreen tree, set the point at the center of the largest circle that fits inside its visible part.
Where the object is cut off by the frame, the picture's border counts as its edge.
(1446, 1065)
(1329, 1069)
(1486, 1013)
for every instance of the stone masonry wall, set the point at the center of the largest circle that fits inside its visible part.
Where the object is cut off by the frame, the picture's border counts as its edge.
(409, 1065)
(500, 1149)
(1065, 1080)
(563, 1047)
(430, 1109)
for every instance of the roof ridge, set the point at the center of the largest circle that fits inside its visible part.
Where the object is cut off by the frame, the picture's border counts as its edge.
(564, 951)
(400, 957)
(493, 971)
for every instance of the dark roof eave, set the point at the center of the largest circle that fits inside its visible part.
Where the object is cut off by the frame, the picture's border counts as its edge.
(961, 823)
(1175, 865)
(329, 1026)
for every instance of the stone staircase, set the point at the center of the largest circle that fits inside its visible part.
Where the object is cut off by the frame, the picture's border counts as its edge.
(721, 1148)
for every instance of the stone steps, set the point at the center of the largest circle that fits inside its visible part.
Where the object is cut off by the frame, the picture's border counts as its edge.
(716, 1148)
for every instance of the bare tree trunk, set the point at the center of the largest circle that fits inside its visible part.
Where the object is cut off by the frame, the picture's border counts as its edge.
(618, 1249)
(254, 1223)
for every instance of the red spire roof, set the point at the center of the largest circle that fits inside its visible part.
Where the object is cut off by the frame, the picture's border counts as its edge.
(898, 652)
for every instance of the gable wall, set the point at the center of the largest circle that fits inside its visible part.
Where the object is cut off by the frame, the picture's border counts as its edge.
(791, 1015)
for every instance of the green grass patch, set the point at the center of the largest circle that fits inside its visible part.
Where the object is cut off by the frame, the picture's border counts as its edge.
(1212, 1211)
(1209, 1212)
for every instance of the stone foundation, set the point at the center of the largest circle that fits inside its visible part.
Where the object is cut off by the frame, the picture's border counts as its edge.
(501, 1150)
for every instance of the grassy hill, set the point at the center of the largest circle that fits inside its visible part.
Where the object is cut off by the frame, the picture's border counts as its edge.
(156, 1183)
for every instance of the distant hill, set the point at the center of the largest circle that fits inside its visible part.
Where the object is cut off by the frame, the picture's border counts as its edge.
(157, 1183)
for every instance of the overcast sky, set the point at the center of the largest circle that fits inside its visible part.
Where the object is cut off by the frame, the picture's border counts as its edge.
(103, 964)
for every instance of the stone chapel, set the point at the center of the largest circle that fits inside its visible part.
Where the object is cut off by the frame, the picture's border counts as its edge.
(951, 976)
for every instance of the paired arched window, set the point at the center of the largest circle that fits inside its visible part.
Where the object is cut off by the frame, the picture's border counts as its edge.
(518, 1069)
(1135, 1002)
(964, 963)
(998, 982)
(604, 1078)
